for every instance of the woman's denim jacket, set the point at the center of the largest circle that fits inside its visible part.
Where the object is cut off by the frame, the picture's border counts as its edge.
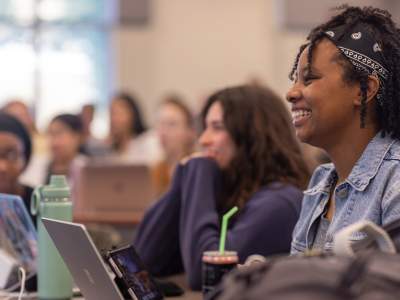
(370, 192)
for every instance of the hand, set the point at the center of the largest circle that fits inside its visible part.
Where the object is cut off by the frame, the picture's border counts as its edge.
(254, 259)
(189, 157)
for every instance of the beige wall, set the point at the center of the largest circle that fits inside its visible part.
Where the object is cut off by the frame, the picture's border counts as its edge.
(195, 47)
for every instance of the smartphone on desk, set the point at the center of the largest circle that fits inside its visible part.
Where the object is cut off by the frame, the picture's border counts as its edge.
(133, 279)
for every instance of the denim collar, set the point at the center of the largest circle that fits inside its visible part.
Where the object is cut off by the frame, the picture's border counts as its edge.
(368, 164)
(363, 171)
(325, 184)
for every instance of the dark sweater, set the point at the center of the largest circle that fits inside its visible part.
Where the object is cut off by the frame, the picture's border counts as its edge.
(184, 222)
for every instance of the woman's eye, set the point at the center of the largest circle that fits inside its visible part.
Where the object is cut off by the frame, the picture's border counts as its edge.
(218, 127)
(308, 79)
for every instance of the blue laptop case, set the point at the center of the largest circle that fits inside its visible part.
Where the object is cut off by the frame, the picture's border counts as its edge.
(18, 236)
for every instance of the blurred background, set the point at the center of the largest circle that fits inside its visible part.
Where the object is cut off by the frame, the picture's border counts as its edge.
(58, 55)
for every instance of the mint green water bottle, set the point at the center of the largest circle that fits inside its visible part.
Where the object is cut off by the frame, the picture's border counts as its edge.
(52, 201)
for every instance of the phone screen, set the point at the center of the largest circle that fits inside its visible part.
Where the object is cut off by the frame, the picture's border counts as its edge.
(135, 275)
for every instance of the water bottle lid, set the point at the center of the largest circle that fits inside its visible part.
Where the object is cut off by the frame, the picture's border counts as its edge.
(57, 188)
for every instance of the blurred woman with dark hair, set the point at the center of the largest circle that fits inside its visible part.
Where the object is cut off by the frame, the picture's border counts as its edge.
(128, 136)
(65, 139)
(19, 109)
(250, 159)
(15, 153)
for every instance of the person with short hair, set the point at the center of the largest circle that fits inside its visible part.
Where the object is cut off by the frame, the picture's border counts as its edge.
(345, 99)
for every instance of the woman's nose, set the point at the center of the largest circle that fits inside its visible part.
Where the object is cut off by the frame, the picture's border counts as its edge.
(294, 93)
(204, 138)
(4, 165)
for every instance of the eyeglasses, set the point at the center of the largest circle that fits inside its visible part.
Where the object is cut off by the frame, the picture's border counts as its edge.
(10, 155)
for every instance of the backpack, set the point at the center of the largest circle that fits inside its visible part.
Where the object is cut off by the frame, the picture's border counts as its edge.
(354, 271)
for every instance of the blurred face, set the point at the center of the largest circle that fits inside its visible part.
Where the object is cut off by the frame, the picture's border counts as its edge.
(176, 136)
(11, 161)
(87, 115)
(215, 139)
(323, 105)
(21, 112)
(121, 118)
(64, 143)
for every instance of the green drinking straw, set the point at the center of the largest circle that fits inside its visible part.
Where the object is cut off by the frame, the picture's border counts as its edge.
(224, 228)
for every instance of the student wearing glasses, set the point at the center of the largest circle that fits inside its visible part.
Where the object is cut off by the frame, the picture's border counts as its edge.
(15, 152)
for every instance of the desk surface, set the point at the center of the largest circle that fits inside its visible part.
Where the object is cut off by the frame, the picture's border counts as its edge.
(179, 279)
(189, 295)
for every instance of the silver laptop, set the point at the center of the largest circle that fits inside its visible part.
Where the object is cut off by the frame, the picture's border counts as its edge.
(83, 260)
(113, 193)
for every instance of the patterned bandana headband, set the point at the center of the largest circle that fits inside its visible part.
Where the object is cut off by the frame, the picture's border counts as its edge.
(363, 52)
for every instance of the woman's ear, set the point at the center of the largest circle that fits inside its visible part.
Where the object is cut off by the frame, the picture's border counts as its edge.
(372, 90)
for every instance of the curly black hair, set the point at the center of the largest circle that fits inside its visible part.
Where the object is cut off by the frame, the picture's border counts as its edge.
(380, 25)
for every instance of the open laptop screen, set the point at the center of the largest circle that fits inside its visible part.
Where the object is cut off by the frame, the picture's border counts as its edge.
(82, 259)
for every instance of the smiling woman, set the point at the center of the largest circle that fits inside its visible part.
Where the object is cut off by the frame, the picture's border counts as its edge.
(316, 119)
(215, 139)
(250, 158)
(345, 99)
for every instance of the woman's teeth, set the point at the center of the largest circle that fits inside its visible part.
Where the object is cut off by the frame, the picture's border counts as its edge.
(301, 113)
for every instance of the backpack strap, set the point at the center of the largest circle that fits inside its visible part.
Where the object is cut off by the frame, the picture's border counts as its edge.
(352, 274)
(393, 228)
(342, 244)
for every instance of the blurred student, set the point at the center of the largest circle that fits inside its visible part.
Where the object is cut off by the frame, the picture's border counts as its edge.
(87, 116)
(65, 138)
(128, 138)
(91, 145)
(22, 112)
(175, 129)
(251, 159)
(15, 153)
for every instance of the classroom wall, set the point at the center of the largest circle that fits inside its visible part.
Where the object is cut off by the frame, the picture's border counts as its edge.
(195, 47)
